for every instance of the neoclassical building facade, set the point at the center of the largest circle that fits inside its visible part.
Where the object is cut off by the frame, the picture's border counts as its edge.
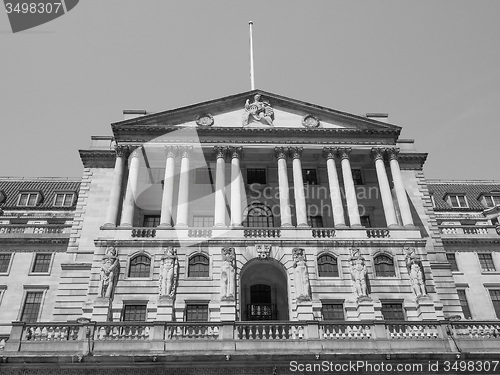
(256, 225)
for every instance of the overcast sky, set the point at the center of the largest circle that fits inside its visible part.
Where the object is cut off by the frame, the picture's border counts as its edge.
(434, 66)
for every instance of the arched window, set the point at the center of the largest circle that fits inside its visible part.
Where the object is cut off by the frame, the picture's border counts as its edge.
(198, 266)
(327, 266)
(259, 215)
(140, 266)
(384, 266)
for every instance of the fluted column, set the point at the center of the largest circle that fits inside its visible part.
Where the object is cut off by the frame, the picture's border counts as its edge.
(385, 190)
(298, 187)
(183, 198)
(236, 187)
(129, 201)
(403, 203)
(220, 182)
(350, 191)
(286, 213)
(333, 183)
(116, 187)
(168, 188)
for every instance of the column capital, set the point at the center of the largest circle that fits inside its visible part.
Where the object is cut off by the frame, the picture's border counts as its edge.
(171, 151)
(122, 151)
(220, 151)
(235, 152)
(280, 152)
(185, 151)
(330, 152)
(378, 153)
(134, 153)
(344, 152)
(295, 152)
(393, 153)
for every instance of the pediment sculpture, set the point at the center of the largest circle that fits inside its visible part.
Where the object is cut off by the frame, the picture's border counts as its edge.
(259, 110)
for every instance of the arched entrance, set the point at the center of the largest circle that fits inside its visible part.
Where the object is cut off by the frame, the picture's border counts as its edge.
(264, 292)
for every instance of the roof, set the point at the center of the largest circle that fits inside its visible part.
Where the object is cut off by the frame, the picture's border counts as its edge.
(473, 190)
(11, 187)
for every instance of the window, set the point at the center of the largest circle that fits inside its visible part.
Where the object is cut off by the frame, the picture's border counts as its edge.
(41, 263)
(357, 177)
(327, 266)
(203, 176)
(259, 215)
(384, 266)
(28, 199)
(491, 200)
(463, 302)
(4, 262)
(198, 266)
(309, 176)
(140, 266)
(392, 311)
(64, 199)
(433, 201)
(203, 221)
(486, 262)
(332, 311)
(315, 221)
(457, 201)
(151, 221)
(365, 221)
(495, 298)
(134, 313)
(196, 313)
(256, 176)
(452, 260)
(31, 308)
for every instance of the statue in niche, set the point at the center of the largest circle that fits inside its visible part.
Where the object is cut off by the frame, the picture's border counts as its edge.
(168, 273)
(259, 111)
(301, 276)
(415, 271)
(359, 274)
(227, 277)
(110, 270)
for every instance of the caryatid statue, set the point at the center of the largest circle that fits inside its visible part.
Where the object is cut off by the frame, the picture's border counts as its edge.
(259, 110)
(110, 270)
(301, 277)
(228, 275)
(415, 271)
(168, 273)
(359, 274)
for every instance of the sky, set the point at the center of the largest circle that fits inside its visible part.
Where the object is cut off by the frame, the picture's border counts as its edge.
(433, 66)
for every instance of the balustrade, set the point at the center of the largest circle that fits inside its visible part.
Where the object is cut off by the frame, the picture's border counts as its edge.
(199, 232)
(412, 331)
(49, 332)
(323, 233)
(34, 229)
(192, 331)
(270, 331)
(476, 330)
(335, 331)
(377, 233)
(143, 232)
(262, 232)
(122, 331)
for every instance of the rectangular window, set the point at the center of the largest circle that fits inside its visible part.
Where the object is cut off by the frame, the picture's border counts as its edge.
(457, 201)
(309, 176)
(357, 177)
(452, 260)
(31, 308)
(196, 313)
(41, 263)
(491, 200)
(4, 262)
(151, 221)
(203, 176)
(332, 311)
(203, 221)
(63, 199)
(495, 298)
(392, 311)
(365, 221)
(28, 199)
(315, 221)
(464, 303)
(486, 262)
(256, 176)
(433, 201)
(134, 313)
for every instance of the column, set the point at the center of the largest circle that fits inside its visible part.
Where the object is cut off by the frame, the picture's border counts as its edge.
(350, 191)
(404, 205)
(168, 188)
(333, 183)
(220, 182)
(116, 187)
(236, 187)
(286, 213)
(385, 190)
(298, 187)
(183, 198)
(129, 201)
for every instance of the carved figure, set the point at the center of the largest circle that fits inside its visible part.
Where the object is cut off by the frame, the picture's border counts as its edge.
(110, 270)
(301, 276)
(359, 274)
(415, 271)
(263, 251)
(260, 111)
(227, 274)
(168, 273)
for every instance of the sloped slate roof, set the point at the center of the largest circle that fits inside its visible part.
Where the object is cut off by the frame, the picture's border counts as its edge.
(472, 190)
(11, 187)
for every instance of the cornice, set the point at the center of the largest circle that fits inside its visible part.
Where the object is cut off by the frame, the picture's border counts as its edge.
(468, 241)
(37, 241)
(98, 158)
(414, 160)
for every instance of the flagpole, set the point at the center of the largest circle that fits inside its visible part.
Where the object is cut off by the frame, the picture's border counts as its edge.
(252, 82)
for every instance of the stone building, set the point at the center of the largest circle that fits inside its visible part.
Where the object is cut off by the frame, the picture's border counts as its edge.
(239, 234)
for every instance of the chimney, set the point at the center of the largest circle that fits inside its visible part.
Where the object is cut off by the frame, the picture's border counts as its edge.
(133, 113)
(382, 117)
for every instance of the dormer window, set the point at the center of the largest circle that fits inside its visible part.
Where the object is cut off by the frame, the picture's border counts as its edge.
(491, 200)
(457, 201)
(64, 199)
(28, 199)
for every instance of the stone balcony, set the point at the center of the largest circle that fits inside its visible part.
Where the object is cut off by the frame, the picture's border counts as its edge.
(35, 230)
(455, 232)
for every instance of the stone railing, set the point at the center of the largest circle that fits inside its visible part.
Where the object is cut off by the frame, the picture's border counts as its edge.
(407, 330)
(262, 233)
(269, 331)
(143, 232)
(323, 233)
(122, 331)
(377, 233)
(472, 230)
(34, 228)
(50, 332)
(477, 330)
(200, 232)
(192, 331)
(335, 331)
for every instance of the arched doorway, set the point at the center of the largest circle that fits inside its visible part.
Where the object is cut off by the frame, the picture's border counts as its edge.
(264, 292)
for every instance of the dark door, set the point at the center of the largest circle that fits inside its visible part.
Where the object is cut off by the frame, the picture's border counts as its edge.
(261, 306)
